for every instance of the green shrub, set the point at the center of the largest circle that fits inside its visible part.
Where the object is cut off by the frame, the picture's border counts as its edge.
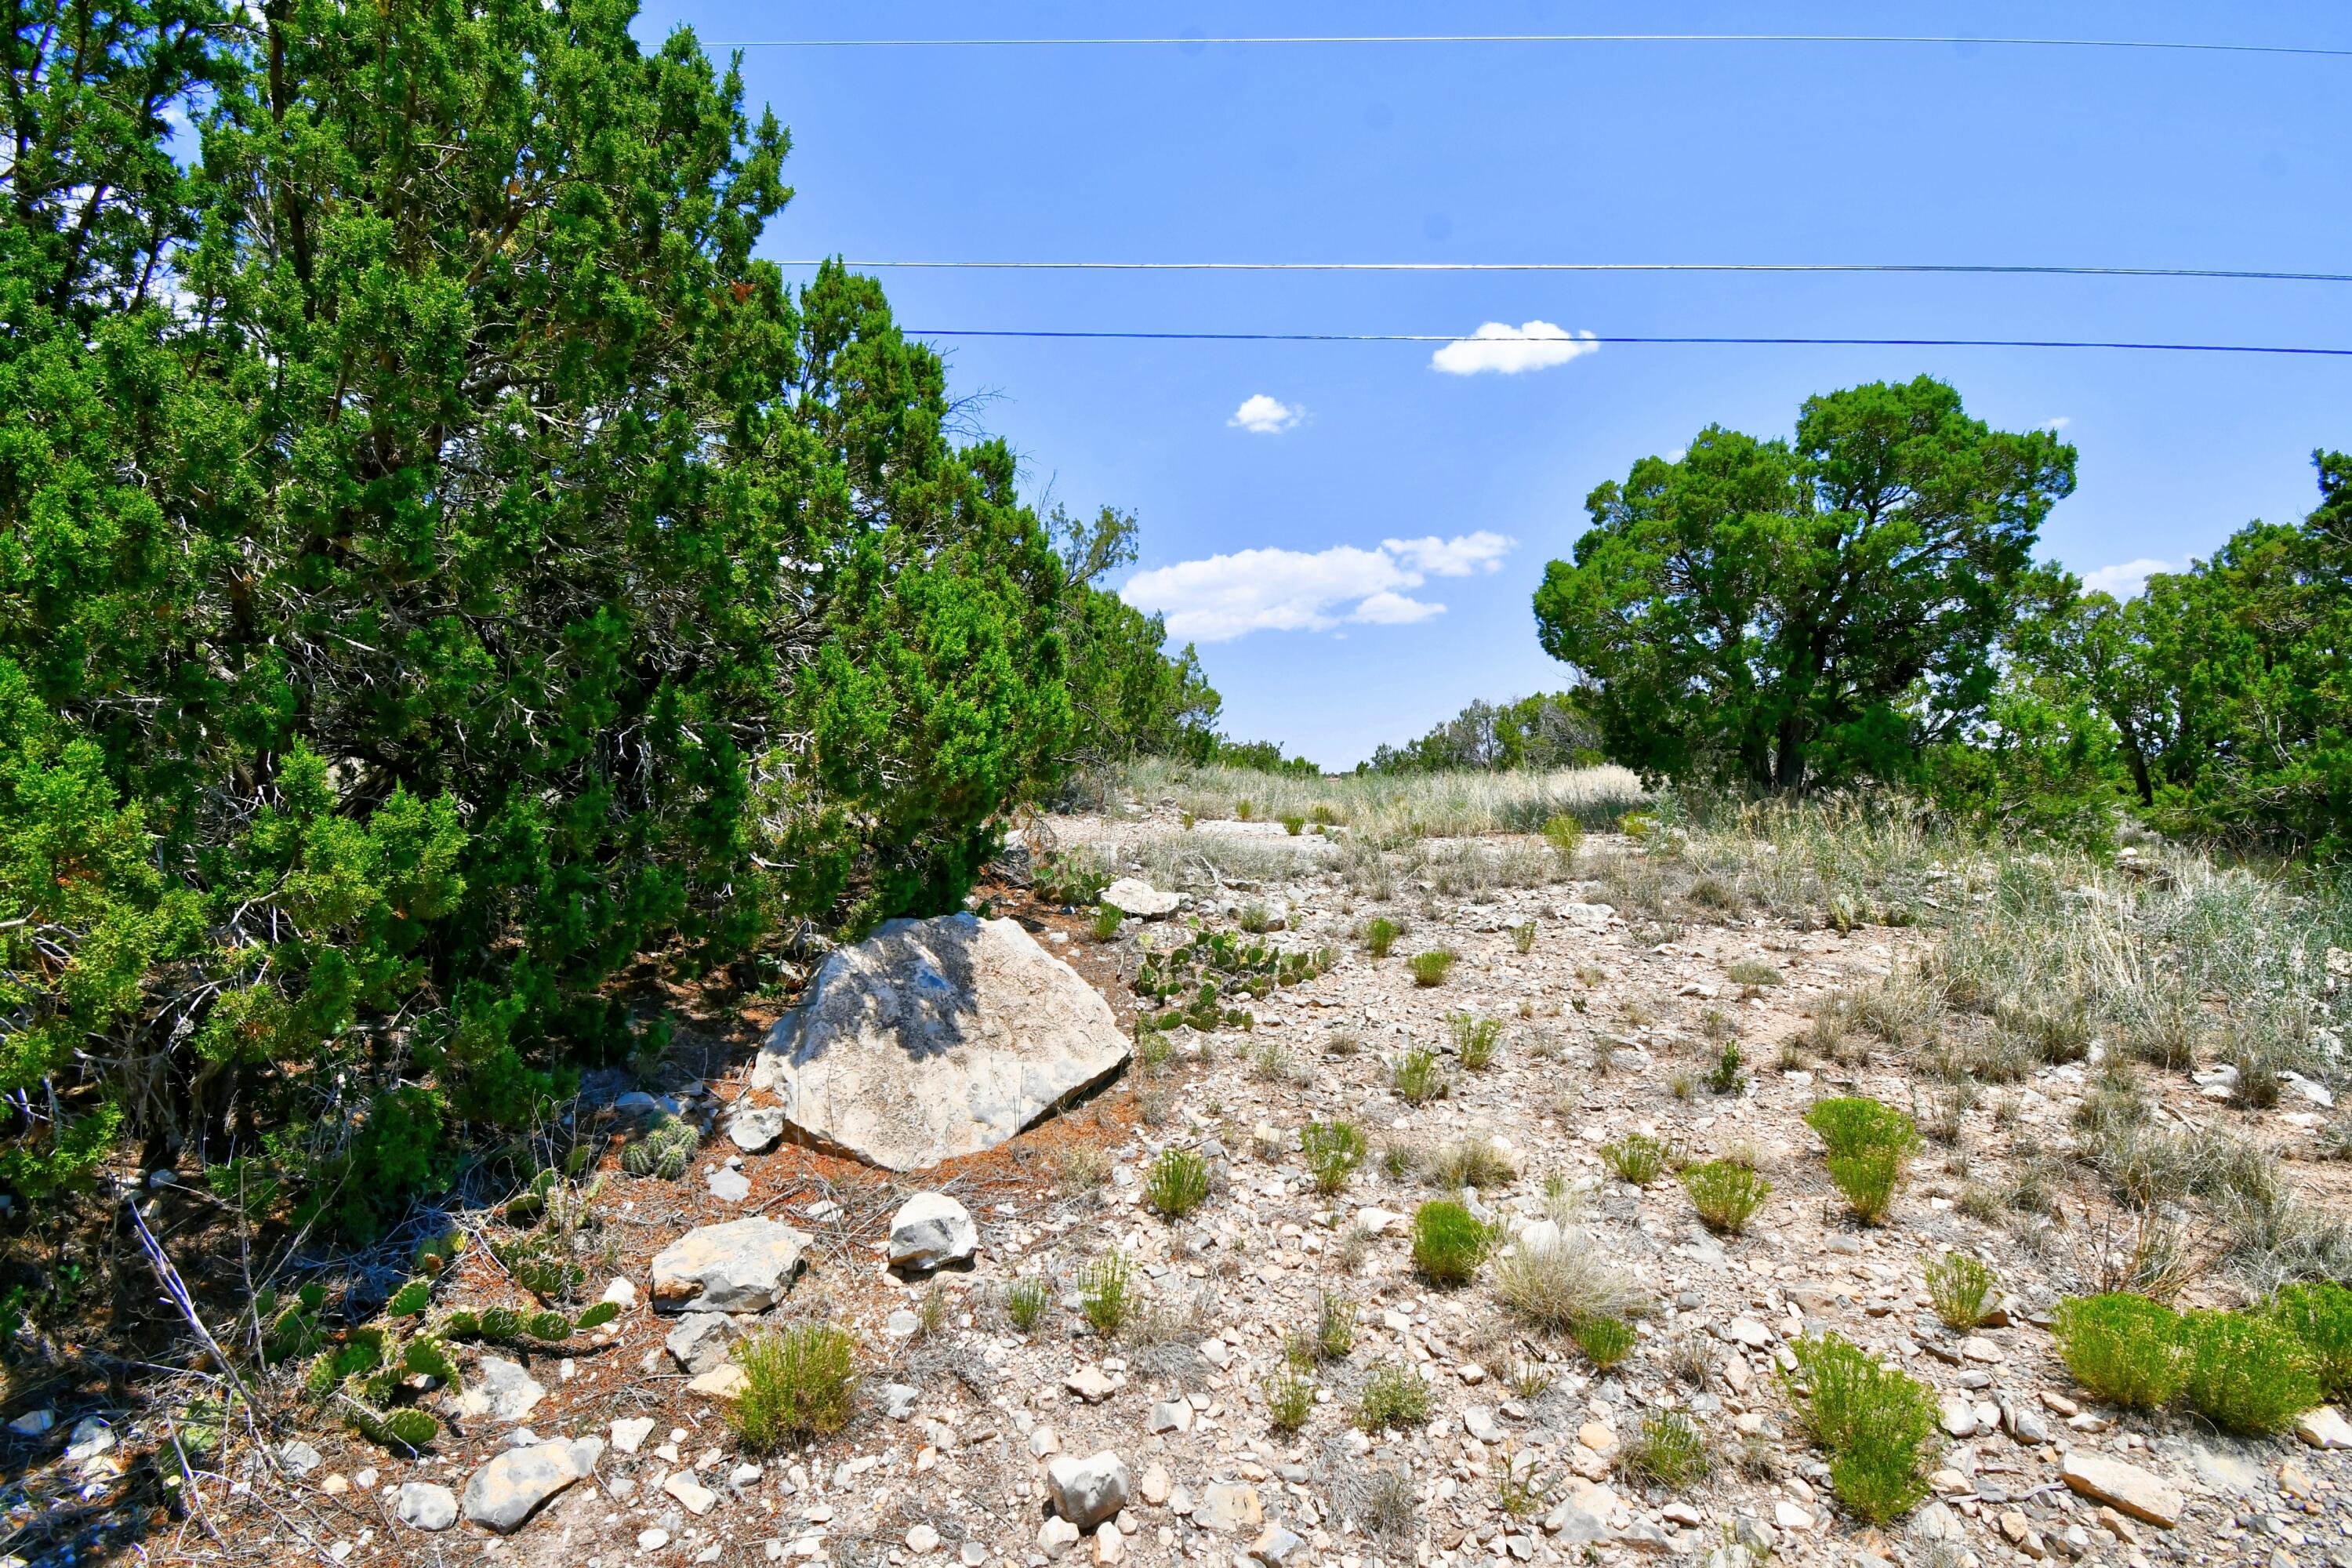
(1751, 971)
(1293, 824)
(1667, 1452)
(2124, 1349)
(1523, 937)
(1026, 1300)
(1431, 968)
(1877, 1424)
(1106, 922)
(1107, 1293)
(1868, 1180)
(1727, 1195)
(1380, 935)
(798, 1383)
(2321, 1317)
(1335, 1326)
(1637, 1158)
(1962, 1289)
(1177, 1182)
(1414, 1075)
(1606, 1341)
(1448, 1242)
(1393, 1395)
(1289, 1399)
(1725, 1077)
(1565, 833)
(1476, 1040)
(1856, 1125)
(2247, 1373)
(1333, 1151)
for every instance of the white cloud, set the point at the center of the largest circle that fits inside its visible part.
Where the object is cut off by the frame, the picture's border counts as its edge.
(1533, 345)
(2060, 422)
(1226, 597)
(1263, 416)
(2126, 579)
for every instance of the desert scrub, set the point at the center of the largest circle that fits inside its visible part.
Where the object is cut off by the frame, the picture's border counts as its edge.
(1293, 824)
(1876, 1425)
(1753, 973)
(1605, 1341)
(1289, 1399)
(1523, 937)
(1335, 1326)
(1727, 1195)
(1849, 1126)
(1380, 935)
(1106, 922)
(1026, 1300)
(1666, 1452)
(2124, 1349)
(2247, 1373)
(1393, 1395)
(1725, 1077)
(1867, 1181)
(1470, 1163)
(1414, 1075)
(1448, 1242)
(1431, 968)
(1557, 1288)
(1333, 1151)
(1080, 1169)
(2321, 1317)
(1637, 1158)
(1177, 1182)
(1475, 1039)
(1107, 1293)
(1962, 1289)
(798, 1383)
(1565, 833)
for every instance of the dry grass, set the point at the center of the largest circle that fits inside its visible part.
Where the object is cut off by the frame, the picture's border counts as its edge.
(1396, 808)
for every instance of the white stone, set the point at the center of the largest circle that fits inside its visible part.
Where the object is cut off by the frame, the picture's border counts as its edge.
(756, 1128)
(630, 1433)
(1087, 1491)
(2324, 1428)
(702, 1341)
(1133, 896)
(930, 1231)
(692, 1495)
(2128, 1488)
(935, 1038)
(508, 1490)
(426, 1505)
(923, 1540)
(729, 1185)
(743, 1265)
(502, 1390)
(622, 1293)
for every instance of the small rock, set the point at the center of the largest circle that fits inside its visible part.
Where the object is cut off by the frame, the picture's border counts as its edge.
(1380, 1220)
(1959, 1418)
(1793, 1517)
(630, 1433)
(723, 1382)
(1087, 1491)
(1976, 1348)
(743, 1265)
(1749, 1333)
(1042, 1442)
(1229, 1508)
(1682, 1514)
(701, 1341)
(1091, 1384)
(508, 1490)
(1600, 1439)
(296, 1456)
(500, 1390)
(1276, 1546)
(1756, 1535)
(1170, 1416)
(425, 1505)
(1153, 1486)
(1479, 1421)
(2123, 1487)
(692, 1495)
(1217, 1353)
(930, 1231)
(622, 1293)
(2324, 1428)
(1134, 897)
(923, 1540)
(89, 1439)
(729, 1185)
(1111, 1546)
(899, 1399)
(1058, 1535)
(756, 1128)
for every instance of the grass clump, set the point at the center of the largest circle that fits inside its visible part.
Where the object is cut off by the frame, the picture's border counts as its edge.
(798, 1383)
(1523, 938)
(1335, 1326)
(1667, 1452)
(1448, 1242)
(1753, 972)
(1637, 1158)
(1026, 1300)
(1178, 1183)
(1333, 1151)
(1962, 1289)
(1414, 1076)
(1470, 1163)
(1393, 1395)
(1431, 968)
(1380, 935)
(1565, 833)
(1476, 1040)
(1726, 1194)
(2124, 1349)
(1107, 1292)
(2247, 1373)
(2321, 1317)
(1558, 1288)
(1289, 1399)
(1107, 923)
(1875, 1424)
(1606, 1341)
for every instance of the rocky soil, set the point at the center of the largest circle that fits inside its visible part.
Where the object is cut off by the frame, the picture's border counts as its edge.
(977, 1444)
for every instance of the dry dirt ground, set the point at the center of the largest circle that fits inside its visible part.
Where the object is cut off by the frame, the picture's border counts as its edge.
(1608, 1029)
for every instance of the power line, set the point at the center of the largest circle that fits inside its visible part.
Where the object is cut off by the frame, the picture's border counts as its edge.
(1634, 339)
(1964, 268)
(2190, 46)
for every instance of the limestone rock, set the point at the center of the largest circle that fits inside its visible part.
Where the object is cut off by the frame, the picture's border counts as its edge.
(2125, 1486)
(1276, 1547)
(502, 1390)
(511, 1487)
(930, 1231)
(630, 1432)
(935, 1038)
(692, 1495)
(1133, 896)
(2324, 1428)
(1087, 1491)
(1229, 1508)
(425, 1505)
(701, 1341)
(756, 1128)
(743, 1265)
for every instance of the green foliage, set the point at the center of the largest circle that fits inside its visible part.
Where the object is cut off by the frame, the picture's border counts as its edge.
(1026, 1300)
(1606, 1341)
(1448, 1242)
(1289, 1399)
(1868, 1180)
(1431, 968)
(799, 1383)
(1668, 1452)
(1335, 1326)
(1858, 1124)
(2124, 1349)
(1177, 1182)
(1217, 967)
(1333, 1151)
(1877, 1424)
(1105, 923)
(1107, 1293)
(1962, 1289)
(2321, 1317)
(1795, 613)
(363, 1379)
(506, 1325)
(1380, 935)
(1415, 1075)
(1637, 1158)
(2247, 1373)
(663, 1150)
(1072, 877)
(1523, 938)
(1393, 1395)
(1565, 833)
(1262, 757)
(1539, 732)
(1470, 1163)
(1476, 1040)
(1726, 1194)
(1725, 1077)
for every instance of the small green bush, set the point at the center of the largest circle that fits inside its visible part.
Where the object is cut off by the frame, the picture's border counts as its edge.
(1726, 1194)
(1725, 1077)
(1667, 1452)
(1380, 935)
(1448, 1242)
(2247, 1373)
(1289, 1399)
(1107, 923)
(1858, 1124)
(1107, 1293)
(1637, 1158)
(798, 1383)
(1565, 833)
(1293, 824)
(1431, 968)
(1414, 1075)
(1335, 1326)
(1177, 1182)
(1333, 1151)
(1393, 1395)
(1868, 1180)
(1877, 1424)
(1606, 1341)
(1475, 1039)
(1962, 1289)
(2124, 1349)
(2321, 1317)
(1026, 1300)
(1523, 937)
(1751, 971)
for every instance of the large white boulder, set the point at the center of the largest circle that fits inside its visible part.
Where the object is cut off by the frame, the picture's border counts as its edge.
(935, 1038)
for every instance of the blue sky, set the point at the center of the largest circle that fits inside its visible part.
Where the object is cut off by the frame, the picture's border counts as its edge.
(1376, 485)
